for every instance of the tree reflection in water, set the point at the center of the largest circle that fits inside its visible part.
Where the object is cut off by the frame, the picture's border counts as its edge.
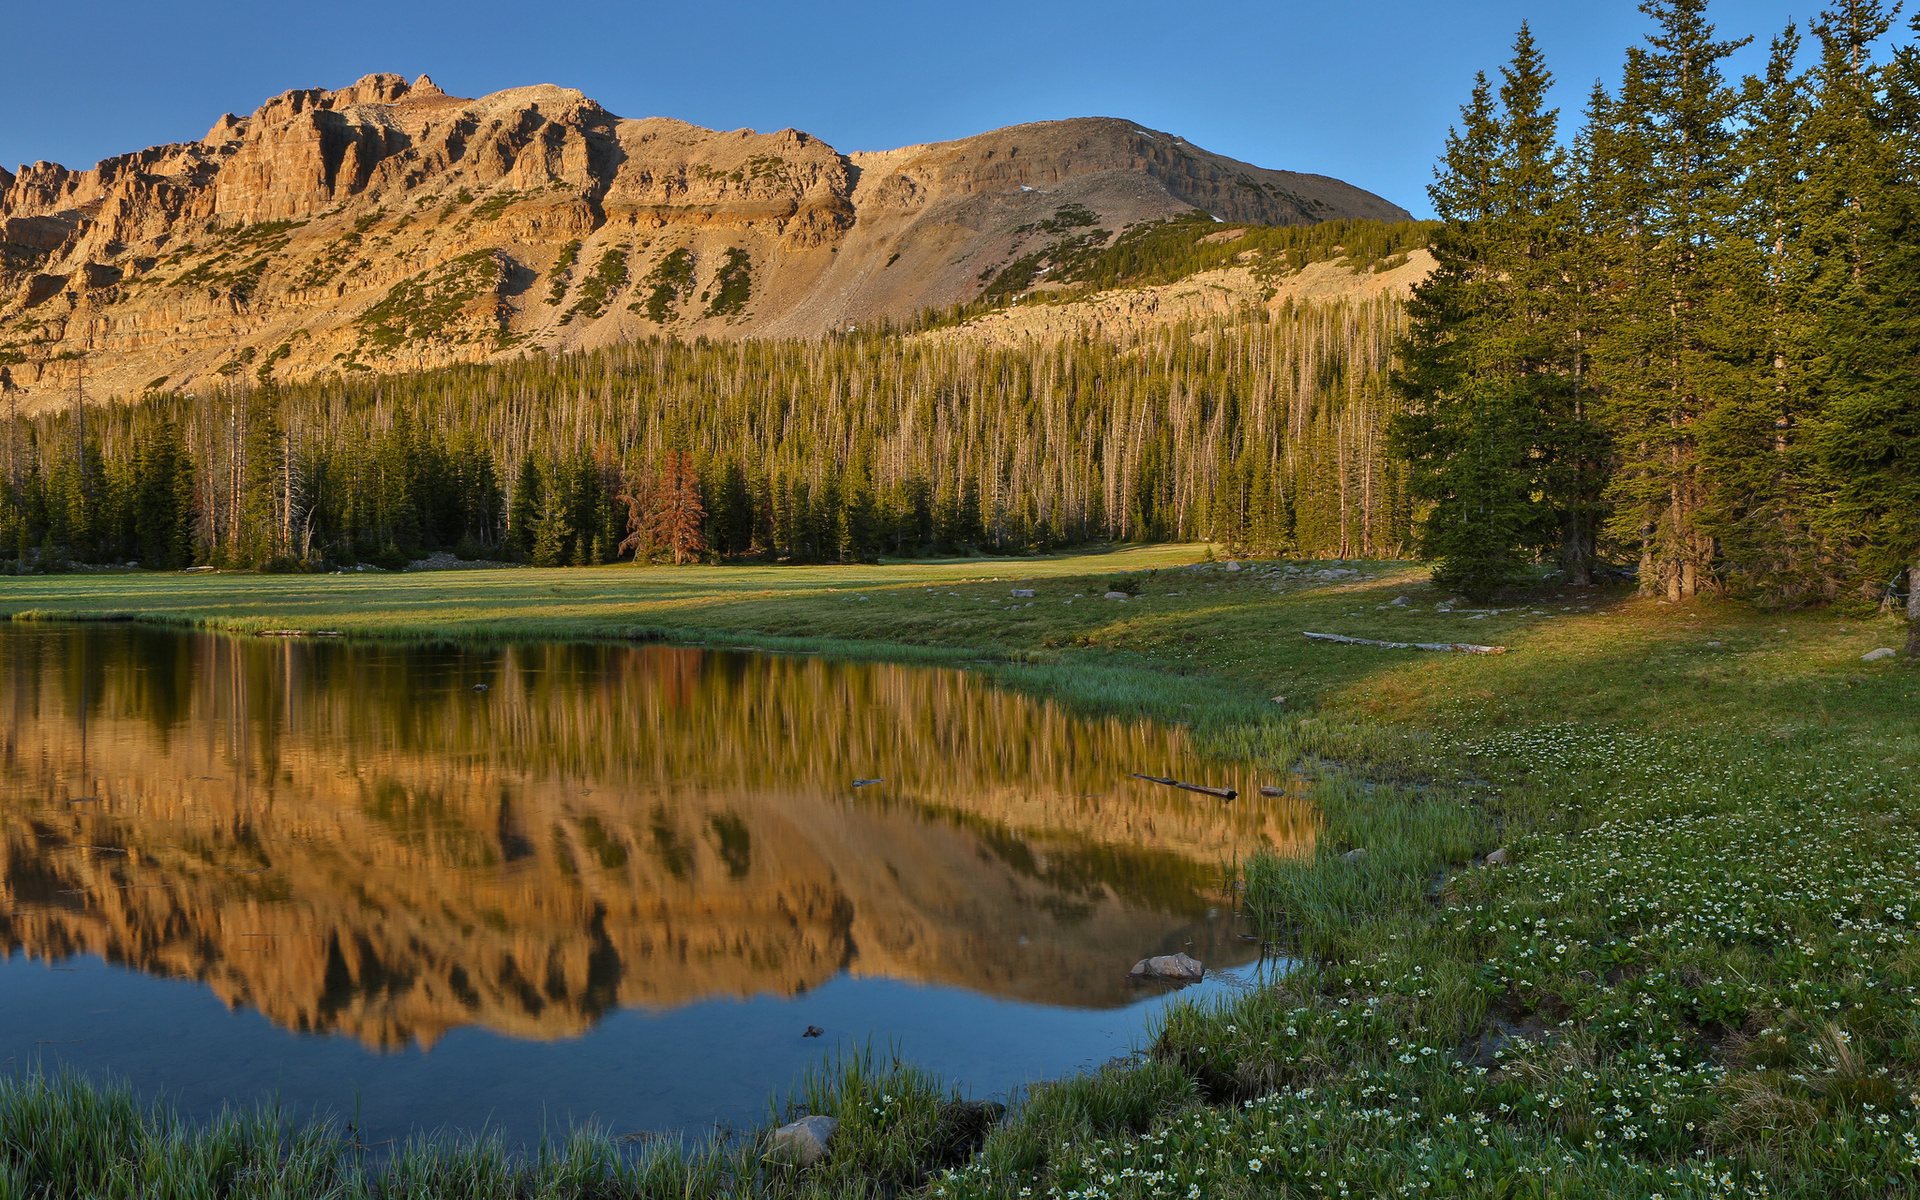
(354, 838)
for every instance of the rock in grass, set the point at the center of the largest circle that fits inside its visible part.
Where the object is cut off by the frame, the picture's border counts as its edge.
(1498, 857)
(1877, 655)
(1021, 593)
(1118, 596)
(1177, 967)
(804, 1141)
(1353, 856)
(1400, 602)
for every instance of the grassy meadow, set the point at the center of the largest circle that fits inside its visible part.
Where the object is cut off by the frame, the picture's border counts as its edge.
(1693, 972)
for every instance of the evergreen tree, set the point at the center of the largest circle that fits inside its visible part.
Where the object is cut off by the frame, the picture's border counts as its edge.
(553, 532)
(162, 498)
(1494, 426)
(1751, 447)
(1661, 355)
(1868, 436)
(523, 510)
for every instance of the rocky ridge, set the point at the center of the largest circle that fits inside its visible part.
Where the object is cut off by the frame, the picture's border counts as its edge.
(389, 226)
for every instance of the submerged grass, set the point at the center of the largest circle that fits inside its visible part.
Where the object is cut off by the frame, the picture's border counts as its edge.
(1697, 973)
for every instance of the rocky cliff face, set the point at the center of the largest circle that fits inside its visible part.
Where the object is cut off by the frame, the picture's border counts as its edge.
(391, 226)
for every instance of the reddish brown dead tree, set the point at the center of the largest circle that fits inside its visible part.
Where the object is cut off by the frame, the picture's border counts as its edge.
(642, 497)
(664, 511)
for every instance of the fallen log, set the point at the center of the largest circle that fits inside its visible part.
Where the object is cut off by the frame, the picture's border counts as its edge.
(1223, 793)
(1460, 647)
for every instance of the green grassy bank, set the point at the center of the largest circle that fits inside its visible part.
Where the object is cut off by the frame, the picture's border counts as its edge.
(1696, 973)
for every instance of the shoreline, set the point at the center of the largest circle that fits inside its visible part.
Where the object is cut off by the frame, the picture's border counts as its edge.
(1614, 718)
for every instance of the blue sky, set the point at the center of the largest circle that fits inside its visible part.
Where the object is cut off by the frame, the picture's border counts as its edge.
(1362, 90)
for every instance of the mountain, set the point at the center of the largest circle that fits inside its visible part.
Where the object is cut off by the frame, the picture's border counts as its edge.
(390, 226)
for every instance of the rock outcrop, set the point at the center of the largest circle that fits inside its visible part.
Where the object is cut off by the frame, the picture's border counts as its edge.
(388, 225)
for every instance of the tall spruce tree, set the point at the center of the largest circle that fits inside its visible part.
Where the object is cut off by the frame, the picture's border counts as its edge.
(1868, 435)
(1665, 223)
(162, 496)
(1752, 446)
(1495, 427)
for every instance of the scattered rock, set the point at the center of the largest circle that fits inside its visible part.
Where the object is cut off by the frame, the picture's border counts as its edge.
(1400, 602)
(1877, 655)
(1279, 699)
(441, 560)
(1353, 856)
(1233, 566)
(1118, 596)
(1177, 967)
(804, 1141)
(1498, 857)
(813, 1031)
(1022, 593)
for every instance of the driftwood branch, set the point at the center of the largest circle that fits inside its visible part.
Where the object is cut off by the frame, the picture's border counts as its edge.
(1461, 647)
(1223, 793)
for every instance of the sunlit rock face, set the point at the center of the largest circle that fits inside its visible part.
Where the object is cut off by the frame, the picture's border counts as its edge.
(389, 226)
(354, 839)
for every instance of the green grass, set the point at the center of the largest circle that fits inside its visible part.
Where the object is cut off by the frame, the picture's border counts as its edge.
(1696, 976)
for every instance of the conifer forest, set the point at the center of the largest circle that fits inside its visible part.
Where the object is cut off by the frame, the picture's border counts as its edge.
(1685, 340)
(1255, 432)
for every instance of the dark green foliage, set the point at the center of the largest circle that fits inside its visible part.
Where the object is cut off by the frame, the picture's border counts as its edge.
(563, 271)
(1490, 369)
(609, 275)
(1164, 251)
(1702, 342)
(732, 285)
(493, 206)
(835, 450)
(1063, 257)
(671, 281)
(1067, 216)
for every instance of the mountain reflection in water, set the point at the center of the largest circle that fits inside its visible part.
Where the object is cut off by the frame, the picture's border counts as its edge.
(354, 839)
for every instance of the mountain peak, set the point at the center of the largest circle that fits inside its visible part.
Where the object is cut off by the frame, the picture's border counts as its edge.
(388, 225)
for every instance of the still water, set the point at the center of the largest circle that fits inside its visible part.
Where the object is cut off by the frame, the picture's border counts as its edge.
(523, 887)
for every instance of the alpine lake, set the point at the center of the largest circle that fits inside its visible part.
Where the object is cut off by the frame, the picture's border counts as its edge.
(514, 889)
